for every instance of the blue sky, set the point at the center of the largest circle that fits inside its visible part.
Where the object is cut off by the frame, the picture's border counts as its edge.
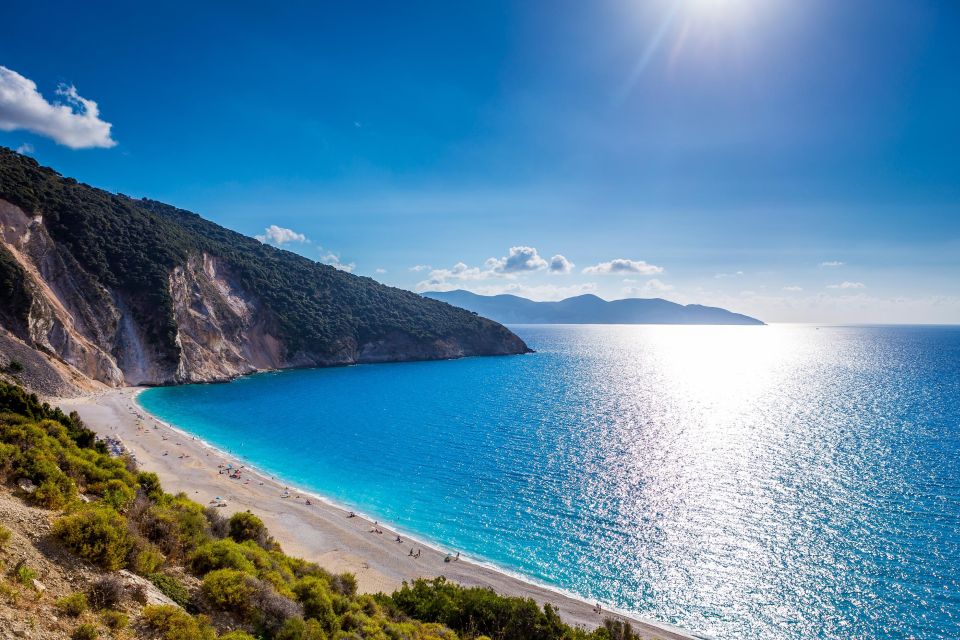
(797, 161)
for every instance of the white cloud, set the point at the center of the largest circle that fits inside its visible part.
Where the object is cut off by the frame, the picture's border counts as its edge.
(76, 124)
(656, 285)
(333, 260)
(420, 267)
(793, 288)
(278, 235)
(25, 149)
(832, 263)
(847, 285)
(622, 265)
(559, 265)
(380, 270)
(651, 286)
(440, 279)
(518, 260)
(735, 274)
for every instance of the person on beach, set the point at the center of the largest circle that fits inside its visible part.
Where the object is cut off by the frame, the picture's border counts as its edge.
(411, 552)
(398, 539)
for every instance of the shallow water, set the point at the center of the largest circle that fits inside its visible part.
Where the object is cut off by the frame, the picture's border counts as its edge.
(747, 482)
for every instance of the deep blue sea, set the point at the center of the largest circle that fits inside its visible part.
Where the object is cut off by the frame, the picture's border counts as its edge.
(746, 482)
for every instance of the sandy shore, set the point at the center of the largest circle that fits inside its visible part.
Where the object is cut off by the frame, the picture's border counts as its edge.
(320, 532)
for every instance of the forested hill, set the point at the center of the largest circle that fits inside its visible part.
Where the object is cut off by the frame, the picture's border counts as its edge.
(131, 291)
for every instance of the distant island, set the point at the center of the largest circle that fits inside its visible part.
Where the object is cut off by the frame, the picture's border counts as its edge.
(589, 309)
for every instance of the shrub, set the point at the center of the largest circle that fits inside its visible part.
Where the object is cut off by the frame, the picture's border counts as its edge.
(73, 605)
(149, 484)
(300, 629)
(344, 583)
(171, 587)
(176, 524)
(237, 635)
(244, 526)
(221, 554)
(98, 534)
(114, 620)
(86, 631)
(4, 536)
(15, 366)
(218, 524)
(118, 495)
(230, 589)
(173, 623)
(49, 495)
(273, 609)
(26, 575)
(314, 594)
(107, 592)
(144, 558)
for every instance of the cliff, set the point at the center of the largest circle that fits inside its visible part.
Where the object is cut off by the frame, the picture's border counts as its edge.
(98, 288)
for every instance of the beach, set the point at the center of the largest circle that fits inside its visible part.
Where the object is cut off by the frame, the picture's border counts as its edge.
(320, 531)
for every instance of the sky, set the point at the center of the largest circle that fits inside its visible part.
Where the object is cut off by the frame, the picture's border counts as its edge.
(796, 161)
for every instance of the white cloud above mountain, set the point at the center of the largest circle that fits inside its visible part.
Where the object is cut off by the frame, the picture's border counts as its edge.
(623, 266)
(74, 123)
(560, 265)
(518, 260)
(280, 236)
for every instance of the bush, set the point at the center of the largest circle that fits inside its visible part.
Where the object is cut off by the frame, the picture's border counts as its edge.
(73, 605)
(173, 623)
(171, 587)
(237, 635)
(230, 589)
(218, 524)
(314, 594)
(144, 558)
(118, 495)
(86, 631)
(300, 629)
(15, 366)
(221, 554)
(244, 526)
(98, 534)
(149, 484)
(107, 592)
(49, 495)
(4, 536)
(25, 575)
(114, 620)
(273, 609)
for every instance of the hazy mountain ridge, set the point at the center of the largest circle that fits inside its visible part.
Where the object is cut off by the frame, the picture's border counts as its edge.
(129, 291)
(589, 309)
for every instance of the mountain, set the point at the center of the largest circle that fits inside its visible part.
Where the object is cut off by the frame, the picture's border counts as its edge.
(588, 309)
(99, 286)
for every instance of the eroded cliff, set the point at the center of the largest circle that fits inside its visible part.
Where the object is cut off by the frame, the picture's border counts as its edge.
(108, 290)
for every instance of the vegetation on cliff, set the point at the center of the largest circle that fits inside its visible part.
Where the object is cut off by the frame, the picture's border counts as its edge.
(132, 246)
(228, 577)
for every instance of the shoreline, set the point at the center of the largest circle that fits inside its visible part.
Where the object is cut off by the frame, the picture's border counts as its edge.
(320, 532)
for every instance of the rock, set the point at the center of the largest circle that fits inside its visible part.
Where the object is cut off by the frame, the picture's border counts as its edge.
(38, 586)
(154, 596)
(26, 484)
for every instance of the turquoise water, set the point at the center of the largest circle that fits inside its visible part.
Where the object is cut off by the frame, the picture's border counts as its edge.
(747, 482)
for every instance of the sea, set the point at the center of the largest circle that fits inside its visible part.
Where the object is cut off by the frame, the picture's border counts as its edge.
(768, 482)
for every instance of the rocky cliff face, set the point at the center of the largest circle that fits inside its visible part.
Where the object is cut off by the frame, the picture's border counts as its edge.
(222, 331)
(98, 289)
